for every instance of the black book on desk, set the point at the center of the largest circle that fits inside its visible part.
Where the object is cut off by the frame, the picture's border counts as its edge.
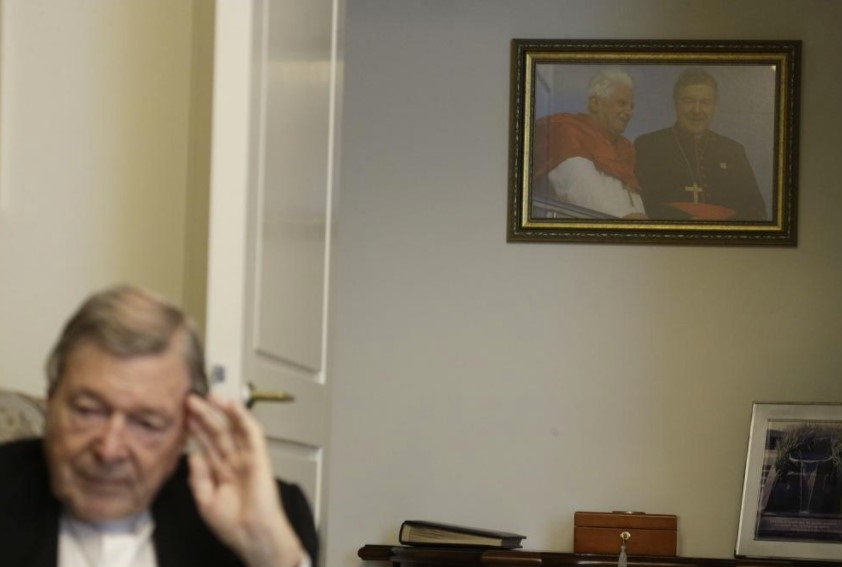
(419, 532)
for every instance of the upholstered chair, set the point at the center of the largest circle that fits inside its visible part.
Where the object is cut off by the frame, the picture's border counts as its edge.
(21, 415)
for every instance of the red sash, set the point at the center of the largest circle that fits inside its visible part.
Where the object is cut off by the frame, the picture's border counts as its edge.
(561, 136)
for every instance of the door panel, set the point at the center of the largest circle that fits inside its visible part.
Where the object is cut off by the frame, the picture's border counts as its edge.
(301, 464)
(297, 86)
(275, 86)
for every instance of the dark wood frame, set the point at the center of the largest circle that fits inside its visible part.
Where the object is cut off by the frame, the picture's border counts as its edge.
(769, 525)
(783, 56)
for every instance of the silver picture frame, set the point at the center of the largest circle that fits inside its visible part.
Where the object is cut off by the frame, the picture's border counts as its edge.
(792, 492)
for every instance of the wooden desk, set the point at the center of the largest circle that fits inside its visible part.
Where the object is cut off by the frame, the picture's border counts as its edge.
(404, 556)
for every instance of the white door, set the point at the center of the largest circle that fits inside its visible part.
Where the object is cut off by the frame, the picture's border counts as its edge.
(274, 125)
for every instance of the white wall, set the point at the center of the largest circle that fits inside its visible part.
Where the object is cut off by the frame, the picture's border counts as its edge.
(94, 162)
(509, 385)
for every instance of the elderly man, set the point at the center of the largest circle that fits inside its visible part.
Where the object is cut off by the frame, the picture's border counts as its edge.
(584, 158)
(689, 172)
(109, 484)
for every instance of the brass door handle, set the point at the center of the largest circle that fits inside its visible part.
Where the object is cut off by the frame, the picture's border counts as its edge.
(253, 395)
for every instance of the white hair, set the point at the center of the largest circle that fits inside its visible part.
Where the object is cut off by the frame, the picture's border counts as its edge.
(603, 83)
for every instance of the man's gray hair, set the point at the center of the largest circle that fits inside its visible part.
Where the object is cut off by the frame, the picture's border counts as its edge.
(603, 83)
(128, 321)
(694, 76)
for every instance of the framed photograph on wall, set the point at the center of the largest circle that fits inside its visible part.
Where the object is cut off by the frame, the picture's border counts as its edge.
(677, 142)
(792, 492)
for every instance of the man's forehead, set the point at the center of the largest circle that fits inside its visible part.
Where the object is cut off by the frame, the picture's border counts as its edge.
(697, 88)
(92, 368)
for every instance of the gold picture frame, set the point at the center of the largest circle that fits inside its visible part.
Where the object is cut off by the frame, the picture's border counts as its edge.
(678, 194)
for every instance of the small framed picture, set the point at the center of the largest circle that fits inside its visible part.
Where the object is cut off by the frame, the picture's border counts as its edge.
(677, 142)
(792, 493)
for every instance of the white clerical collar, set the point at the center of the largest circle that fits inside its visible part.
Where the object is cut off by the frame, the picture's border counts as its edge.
(122, 543)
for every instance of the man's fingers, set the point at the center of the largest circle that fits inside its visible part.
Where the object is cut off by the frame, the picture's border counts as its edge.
(246, 429)
(210, 427)
(225, 430)
(201, 482)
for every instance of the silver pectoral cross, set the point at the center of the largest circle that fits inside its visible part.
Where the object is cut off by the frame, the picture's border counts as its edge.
(696, 190)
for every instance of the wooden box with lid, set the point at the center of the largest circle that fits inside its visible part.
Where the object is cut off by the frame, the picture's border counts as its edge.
(644, 534)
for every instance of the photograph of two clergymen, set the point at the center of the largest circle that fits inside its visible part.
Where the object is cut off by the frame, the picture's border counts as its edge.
(657, 142)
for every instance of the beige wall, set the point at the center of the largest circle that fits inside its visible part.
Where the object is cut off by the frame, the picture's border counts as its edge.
(509, 385)
(96, 123)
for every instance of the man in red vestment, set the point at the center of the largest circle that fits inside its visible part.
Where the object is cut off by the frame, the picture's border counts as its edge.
(584, 159)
